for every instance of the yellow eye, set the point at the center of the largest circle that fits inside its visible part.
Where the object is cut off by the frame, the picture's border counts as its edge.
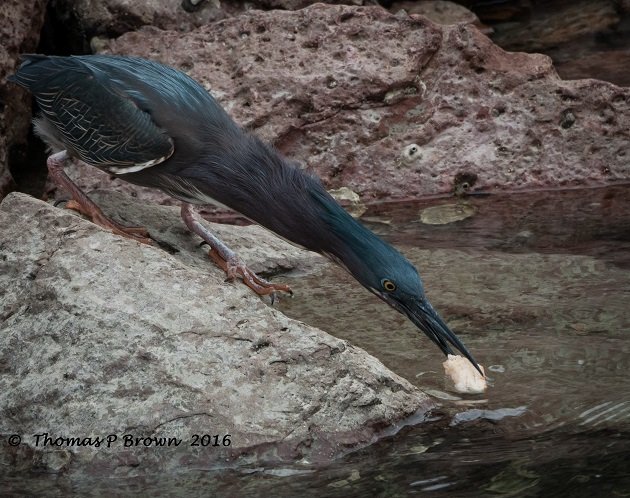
(388, 285)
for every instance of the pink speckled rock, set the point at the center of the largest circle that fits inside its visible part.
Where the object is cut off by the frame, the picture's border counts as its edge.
(115, 17)
(438, 11)
(396, 106)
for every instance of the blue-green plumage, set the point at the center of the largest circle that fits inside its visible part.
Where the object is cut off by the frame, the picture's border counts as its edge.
(154, 126)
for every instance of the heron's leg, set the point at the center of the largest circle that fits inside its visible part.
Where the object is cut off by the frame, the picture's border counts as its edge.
(83, 204)
(227, 259)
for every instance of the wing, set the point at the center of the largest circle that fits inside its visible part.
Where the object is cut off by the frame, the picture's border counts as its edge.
(97, 117)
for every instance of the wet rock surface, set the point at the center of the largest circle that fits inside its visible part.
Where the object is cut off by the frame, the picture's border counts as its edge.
(447, 213)
(104, 336)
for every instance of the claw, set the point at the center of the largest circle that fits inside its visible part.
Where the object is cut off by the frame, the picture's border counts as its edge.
(81, 202)
(236, 268)
(228, 261)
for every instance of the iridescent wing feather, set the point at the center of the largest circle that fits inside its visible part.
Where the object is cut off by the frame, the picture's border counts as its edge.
(95, 117)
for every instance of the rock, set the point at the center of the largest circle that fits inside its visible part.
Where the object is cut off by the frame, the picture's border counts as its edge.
(440, 12)
(347, 89)
(379, 86)
(504, 11)
(300, 4)
(611, 65)
(563, 22)
(20, 24)
(90, 178)
(114, 17)
(447, 213)
(350, 200)
(102, 337)
(584, 39)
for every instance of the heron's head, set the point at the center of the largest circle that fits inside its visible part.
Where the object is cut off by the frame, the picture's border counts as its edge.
(389, 275)
(380, 268)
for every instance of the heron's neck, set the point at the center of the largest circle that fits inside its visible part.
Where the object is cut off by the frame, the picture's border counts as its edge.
(345, 240)
(278, 195)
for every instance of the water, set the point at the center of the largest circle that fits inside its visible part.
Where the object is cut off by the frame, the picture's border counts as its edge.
(537, 285)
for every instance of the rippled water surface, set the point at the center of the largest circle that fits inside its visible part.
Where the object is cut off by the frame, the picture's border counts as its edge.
(538, 287)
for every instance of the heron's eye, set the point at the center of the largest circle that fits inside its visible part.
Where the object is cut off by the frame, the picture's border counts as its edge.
(388, 285)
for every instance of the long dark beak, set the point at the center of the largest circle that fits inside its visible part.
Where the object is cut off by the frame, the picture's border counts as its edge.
(426, 318)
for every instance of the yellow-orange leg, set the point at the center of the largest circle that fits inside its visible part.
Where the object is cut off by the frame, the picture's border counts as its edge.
(84, 205)
(228, 260)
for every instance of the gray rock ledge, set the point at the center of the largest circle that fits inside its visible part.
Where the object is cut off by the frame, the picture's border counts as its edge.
(100, 336)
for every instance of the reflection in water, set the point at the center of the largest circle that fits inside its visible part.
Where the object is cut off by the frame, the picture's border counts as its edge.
(537, 285)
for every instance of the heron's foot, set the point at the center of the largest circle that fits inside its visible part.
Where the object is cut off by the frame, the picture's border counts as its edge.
(227, 260)
(83, 204)
(97, 216)
(235, 268)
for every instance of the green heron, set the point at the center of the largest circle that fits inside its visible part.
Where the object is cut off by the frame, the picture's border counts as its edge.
(153, 125)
